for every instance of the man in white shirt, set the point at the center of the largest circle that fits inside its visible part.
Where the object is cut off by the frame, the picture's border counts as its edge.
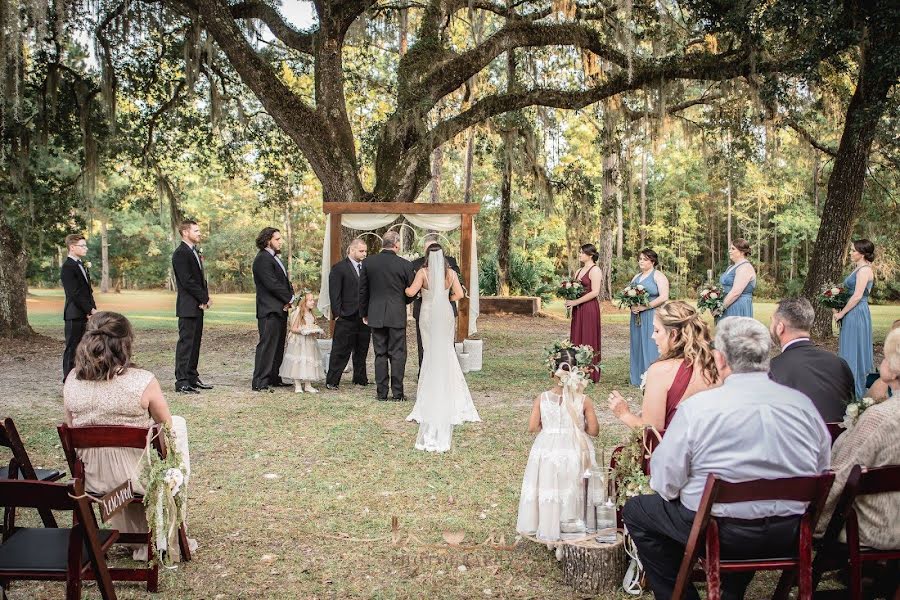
(749, 428)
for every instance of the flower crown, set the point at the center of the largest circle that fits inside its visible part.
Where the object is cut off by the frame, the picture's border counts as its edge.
(584, 356)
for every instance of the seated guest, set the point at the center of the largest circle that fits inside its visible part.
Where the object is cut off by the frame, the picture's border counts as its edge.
(822, 375)
(877, 388)
(105, 388)
(872, 442)
(748, 428)
(685, 367)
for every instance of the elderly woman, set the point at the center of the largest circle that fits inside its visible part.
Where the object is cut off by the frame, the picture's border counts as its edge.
(872, 442)
(105, 388)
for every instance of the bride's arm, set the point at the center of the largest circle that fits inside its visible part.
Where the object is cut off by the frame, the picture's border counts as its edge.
(416, 285)
(456, 291)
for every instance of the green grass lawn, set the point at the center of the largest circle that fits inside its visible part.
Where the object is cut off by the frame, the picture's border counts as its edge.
(292, 496)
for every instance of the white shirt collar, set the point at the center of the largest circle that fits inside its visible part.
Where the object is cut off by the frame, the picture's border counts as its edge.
(187, 243)
(792, 342)
(270, 251)
(355, 263)
(75, 258)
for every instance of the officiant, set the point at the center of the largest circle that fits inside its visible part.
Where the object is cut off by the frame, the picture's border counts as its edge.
(417, 264)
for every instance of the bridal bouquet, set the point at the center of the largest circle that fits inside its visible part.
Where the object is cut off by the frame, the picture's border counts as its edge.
(632, 295)
(834, 296)
(854, 410)
(711, 298)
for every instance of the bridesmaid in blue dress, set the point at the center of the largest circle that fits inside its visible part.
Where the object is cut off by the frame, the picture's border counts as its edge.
(855, 341)
(738, 282)
(643, 349)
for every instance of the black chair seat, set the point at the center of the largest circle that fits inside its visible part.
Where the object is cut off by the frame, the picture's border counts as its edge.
(43, 550)
(42, 474)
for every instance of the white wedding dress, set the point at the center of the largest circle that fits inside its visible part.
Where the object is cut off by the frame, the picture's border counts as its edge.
(442, 397)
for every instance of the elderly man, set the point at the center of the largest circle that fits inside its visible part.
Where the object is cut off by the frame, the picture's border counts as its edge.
(822, 375)
(749, 428)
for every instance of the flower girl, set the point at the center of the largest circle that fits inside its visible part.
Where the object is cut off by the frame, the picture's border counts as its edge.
(553, 485)
(302, 359)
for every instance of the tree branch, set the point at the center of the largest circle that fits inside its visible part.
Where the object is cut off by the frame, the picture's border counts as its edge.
(302, 41)
(444, 76)
(700, 66)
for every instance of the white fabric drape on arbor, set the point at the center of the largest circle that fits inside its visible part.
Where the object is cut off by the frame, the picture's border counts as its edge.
(375, 221)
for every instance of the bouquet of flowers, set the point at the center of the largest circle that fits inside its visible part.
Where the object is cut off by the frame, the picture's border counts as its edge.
(569, 290)
(711, 298)
(632, 295)
(854, 409)
(834, 296)
(629, 473)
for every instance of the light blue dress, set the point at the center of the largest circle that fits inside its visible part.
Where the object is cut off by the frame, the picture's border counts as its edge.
(743, 306)
(643, 349)
(855, 341)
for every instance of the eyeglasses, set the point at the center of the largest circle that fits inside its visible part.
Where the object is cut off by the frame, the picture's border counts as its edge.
(81, 245)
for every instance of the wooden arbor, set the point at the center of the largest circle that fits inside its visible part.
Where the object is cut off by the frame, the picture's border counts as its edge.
(467, 212)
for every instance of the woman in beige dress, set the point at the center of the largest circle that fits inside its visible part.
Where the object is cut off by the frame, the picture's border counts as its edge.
(105, 388)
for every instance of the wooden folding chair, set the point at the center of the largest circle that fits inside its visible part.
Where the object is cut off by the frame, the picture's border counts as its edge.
(832, 554)
(20, 467)
(813, 490)
(835, 429)
(120, 436)
(50, 553)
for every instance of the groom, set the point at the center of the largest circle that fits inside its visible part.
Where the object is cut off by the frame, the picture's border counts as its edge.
(382, 306)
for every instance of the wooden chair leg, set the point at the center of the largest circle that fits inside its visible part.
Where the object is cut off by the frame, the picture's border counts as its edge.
(804, 569)
(153, 567)
(713, 574)
(183, 544)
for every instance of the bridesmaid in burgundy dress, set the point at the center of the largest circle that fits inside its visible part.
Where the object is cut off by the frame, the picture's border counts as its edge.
(685, 367)
(586, 309)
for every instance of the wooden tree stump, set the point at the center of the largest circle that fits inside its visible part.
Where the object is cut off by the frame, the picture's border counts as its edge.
(594, 568)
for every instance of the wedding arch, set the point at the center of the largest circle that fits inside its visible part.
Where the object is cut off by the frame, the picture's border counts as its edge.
(366, 216)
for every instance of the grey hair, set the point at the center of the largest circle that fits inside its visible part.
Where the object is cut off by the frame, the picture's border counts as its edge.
(356, 242)
(796, 313)
(745, 343)
(391, 239)
(431, 238)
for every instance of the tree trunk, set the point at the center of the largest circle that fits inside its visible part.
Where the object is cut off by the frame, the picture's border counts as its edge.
(728, 196)
(620, 225)
(503, 239)
(288, 237)
(13, 285)
(104, 256)
(594, 568)
(879, 71)
(437, 168)
(643, 196)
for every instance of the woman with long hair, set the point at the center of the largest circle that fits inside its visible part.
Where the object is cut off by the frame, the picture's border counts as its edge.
(855, 341)
(643, 349)
(685, 367)
(106, 388)
(585, 328)
(738, 281)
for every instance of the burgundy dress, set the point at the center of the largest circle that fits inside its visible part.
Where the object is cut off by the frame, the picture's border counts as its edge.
(586, 324)
(673, 398)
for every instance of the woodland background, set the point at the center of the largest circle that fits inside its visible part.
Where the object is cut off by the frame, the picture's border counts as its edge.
(678, 125)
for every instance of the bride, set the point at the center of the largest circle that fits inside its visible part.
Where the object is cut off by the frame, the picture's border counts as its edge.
(442, 398)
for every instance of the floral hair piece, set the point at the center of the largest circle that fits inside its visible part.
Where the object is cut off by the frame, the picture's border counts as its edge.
(584, 357)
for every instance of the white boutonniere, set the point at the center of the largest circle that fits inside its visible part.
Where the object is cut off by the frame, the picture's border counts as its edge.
(643, 381)
(855, 409)
(88, 265)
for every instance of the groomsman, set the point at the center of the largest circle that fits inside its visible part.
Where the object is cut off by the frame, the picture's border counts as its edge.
(417, 264)
(193, 299)
(79, 297)
(274, 295)
(351, 335)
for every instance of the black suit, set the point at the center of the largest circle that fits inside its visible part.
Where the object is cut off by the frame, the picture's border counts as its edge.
(79, 304)
(382, 299)
(273, 291)
(351, 335)
(190, 281)
(417, 304)
(823, 376)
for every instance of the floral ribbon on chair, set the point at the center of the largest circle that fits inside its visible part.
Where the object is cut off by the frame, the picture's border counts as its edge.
(164, 494)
